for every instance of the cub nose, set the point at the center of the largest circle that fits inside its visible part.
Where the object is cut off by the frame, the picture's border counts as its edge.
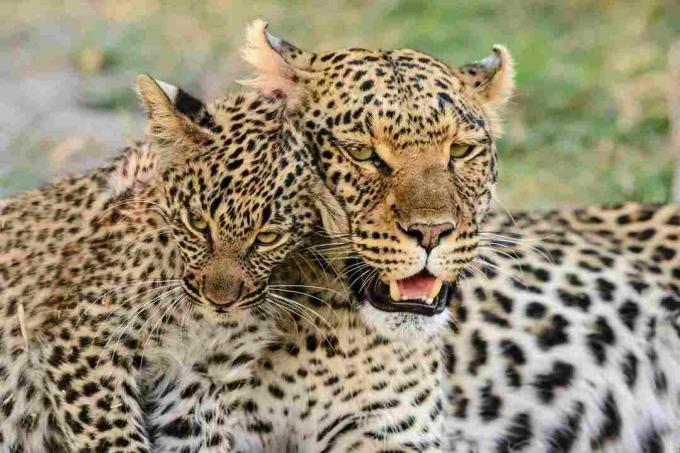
(428, 235)
(222, 289)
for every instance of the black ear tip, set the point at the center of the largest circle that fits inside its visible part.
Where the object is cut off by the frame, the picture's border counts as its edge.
(187, 104)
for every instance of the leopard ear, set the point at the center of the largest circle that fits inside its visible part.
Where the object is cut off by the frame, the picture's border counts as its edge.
(492, 78)
(279, 65)
(172, 114)
(155, 92)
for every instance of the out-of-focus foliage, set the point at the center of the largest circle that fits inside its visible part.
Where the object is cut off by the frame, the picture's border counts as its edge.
(588, 124)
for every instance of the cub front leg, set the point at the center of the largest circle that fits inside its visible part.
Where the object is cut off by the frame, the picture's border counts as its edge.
(191, 414)
(95, 391)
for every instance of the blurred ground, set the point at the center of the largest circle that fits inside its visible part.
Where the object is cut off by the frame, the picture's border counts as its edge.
(589, 123)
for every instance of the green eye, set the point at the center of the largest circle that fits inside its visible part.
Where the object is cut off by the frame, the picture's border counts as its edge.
(460, 150)
(361, 152)
(197, 221)
(267, 238)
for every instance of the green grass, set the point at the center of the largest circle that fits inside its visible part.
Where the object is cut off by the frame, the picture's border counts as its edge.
(588, 123)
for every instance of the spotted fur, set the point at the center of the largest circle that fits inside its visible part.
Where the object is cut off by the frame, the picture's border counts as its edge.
(568, 337)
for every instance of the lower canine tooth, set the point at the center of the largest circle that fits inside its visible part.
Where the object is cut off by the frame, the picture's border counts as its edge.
(395, 294)
(435, 289)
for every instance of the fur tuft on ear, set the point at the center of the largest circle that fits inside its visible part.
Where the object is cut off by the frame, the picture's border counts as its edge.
(333, 217)
(492, 78)
(274, 76)
(169, 127)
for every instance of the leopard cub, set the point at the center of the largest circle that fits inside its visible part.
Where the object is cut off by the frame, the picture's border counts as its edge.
(133, 298)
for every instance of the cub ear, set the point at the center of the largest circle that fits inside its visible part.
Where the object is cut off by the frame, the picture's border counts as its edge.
(492, 78)
(172, 113)
(278, 65)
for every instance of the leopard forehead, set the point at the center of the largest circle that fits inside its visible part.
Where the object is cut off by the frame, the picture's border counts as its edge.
(403, 98)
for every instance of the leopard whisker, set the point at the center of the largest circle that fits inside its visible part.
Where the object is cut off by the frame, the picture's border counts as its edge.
(321, 288)
(280, 308)
(120, 287)
(129, 319)
(303, 294)
(171, 307)
(294, 303)
(290, 311)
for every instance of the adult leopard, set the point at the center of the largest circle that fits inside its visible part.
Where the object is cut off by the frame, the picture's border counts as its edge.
(407, 145)
(549, 349)
(133, 298)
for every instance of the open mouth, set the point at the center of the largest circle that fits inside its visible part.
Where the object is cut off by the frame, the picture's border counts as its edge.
(422, 294)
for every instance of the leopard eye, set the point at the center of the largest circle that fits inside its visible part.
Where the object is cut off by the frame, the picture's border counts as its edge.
(267, 238)
(197, 221)
(460, 150)
(361, 153)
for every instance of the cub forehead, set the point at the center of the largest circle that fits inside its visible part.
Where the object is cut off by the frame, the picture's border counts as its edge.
(260, 113)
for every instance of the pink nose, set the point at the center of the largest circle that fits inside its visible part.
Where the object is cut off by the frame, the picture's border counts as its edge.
(428, 235)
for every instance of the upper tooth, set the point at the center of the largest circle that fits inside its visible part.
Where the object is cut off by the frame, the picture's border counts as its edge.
(395, 294)
(435, 289)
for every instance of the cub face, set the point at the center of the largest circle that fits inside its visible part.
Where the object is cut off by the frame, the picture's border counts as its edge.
(238, 190)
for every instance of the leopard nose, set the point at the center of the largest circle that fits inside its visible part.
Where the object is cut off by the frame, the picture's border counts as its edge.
(427, 235)
(223, 290)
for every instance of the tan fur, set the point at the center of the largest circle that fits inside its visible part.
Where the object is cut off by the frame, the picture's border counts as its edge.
(492, 80)
(172, 131)
(274, 77)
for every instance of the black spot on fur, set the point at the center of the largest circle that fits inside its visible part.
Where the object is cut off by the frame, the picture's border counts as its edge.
(562, 439)
(561, 375)
(555, 334)
(611, 426)
(598, 340)
(479, 347)
(629, 367)
(518, 434)
(490, 404)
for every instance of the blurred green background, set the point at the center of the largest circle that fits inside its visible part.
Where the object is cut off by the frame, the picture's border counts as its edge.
(588, 124)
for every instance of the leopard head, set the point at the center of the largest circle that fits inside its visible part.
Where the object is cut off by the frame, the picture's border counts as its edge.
(407, 144)
(237, 188)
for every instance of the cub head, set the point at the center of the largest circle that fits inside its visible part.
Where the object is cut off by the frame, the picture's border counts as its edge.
(237, 188)
(408, 146)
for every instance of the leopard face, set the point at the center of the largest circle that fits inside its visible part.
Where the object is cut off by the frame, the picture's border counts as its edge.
(239, 190)
(407, 145)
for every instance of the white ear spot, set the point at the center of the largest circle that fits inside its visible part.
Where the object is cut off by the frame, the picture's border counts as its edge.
(273, 75)
(169, 90)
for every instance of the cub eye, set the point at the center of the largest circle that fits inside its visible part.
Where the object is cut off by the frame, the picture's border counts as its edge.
(361, 152)
(460, 150)
(197, 221)
(267, 238)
